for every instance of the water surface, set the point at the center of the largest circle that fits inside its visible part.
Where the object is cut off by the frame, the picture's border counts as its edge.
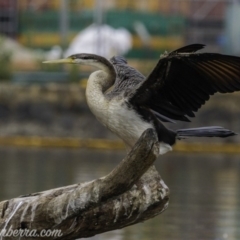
(204, 200)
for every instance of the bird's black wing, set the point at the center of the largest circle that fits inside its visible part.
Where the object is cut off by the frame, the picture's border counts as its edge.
(183, 81)
(128, 78)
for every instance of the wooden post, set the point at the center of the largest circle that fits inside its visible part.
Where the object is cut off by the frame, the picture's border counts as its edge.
(131, 193)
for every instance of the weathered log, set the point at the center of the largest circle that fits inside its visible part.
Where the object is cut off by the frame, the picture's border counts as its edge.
(131, 193)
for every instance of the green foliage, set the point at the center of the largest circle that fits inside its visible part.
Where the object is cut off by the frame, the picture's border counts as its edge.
(74, 73)
(5, 61)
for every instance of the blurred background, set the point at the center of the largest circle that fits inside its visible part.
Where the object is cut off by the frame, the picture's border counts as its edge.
(49, 138)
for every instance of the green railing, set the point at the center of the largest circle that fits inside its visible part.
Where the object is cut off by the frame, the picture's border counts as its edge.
(155, 23)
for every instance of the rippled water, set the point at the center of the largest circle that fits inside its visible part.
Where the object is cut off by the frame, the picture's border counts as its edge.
(205, 191)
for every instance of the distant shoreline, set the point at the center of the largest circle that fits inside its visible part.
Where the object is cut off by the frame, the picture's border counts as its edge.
(60, 111)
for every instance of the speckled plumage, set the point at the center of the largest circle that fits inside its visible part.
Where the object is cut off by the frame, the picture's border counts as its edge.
(127, 77)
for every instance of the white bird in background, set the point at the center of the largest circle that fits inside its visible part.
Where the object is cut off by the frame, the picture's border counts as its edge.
(103, 40)
(128, 103)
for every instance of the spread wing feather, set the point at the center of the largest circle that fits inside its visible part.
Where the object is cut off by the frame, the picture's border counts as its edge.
(183, 81)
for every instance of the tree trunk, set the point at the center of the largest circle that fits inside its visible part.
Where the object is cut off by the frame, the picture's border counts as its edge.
(131, 193)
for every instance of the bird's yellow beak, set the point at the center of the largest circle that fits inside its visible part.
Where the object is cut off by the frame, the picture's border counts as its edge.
(64, 60)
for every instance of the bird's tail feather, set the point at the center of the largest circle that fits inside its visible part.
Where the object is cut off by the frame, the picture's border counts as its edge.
(213, 131)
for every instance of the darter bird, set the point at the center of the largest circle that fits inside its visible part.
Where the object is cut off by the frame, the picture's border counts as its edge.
(128, 103)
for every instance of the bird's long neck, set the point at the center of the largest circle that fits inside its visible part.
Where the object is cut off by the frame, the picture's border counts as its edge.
(105, 77)
(98, 82)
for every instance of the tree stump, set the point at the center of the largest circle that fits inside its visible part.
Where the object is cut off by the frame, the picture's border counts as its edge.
(133, 192)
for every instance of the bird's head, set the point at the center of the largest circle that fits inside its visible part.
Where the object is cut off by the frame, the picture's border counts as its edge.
(87, 59)
(81, 58)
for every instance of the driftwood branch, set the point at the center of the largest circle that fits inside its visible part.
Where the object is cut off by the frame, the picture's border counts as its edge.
(131, 193)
